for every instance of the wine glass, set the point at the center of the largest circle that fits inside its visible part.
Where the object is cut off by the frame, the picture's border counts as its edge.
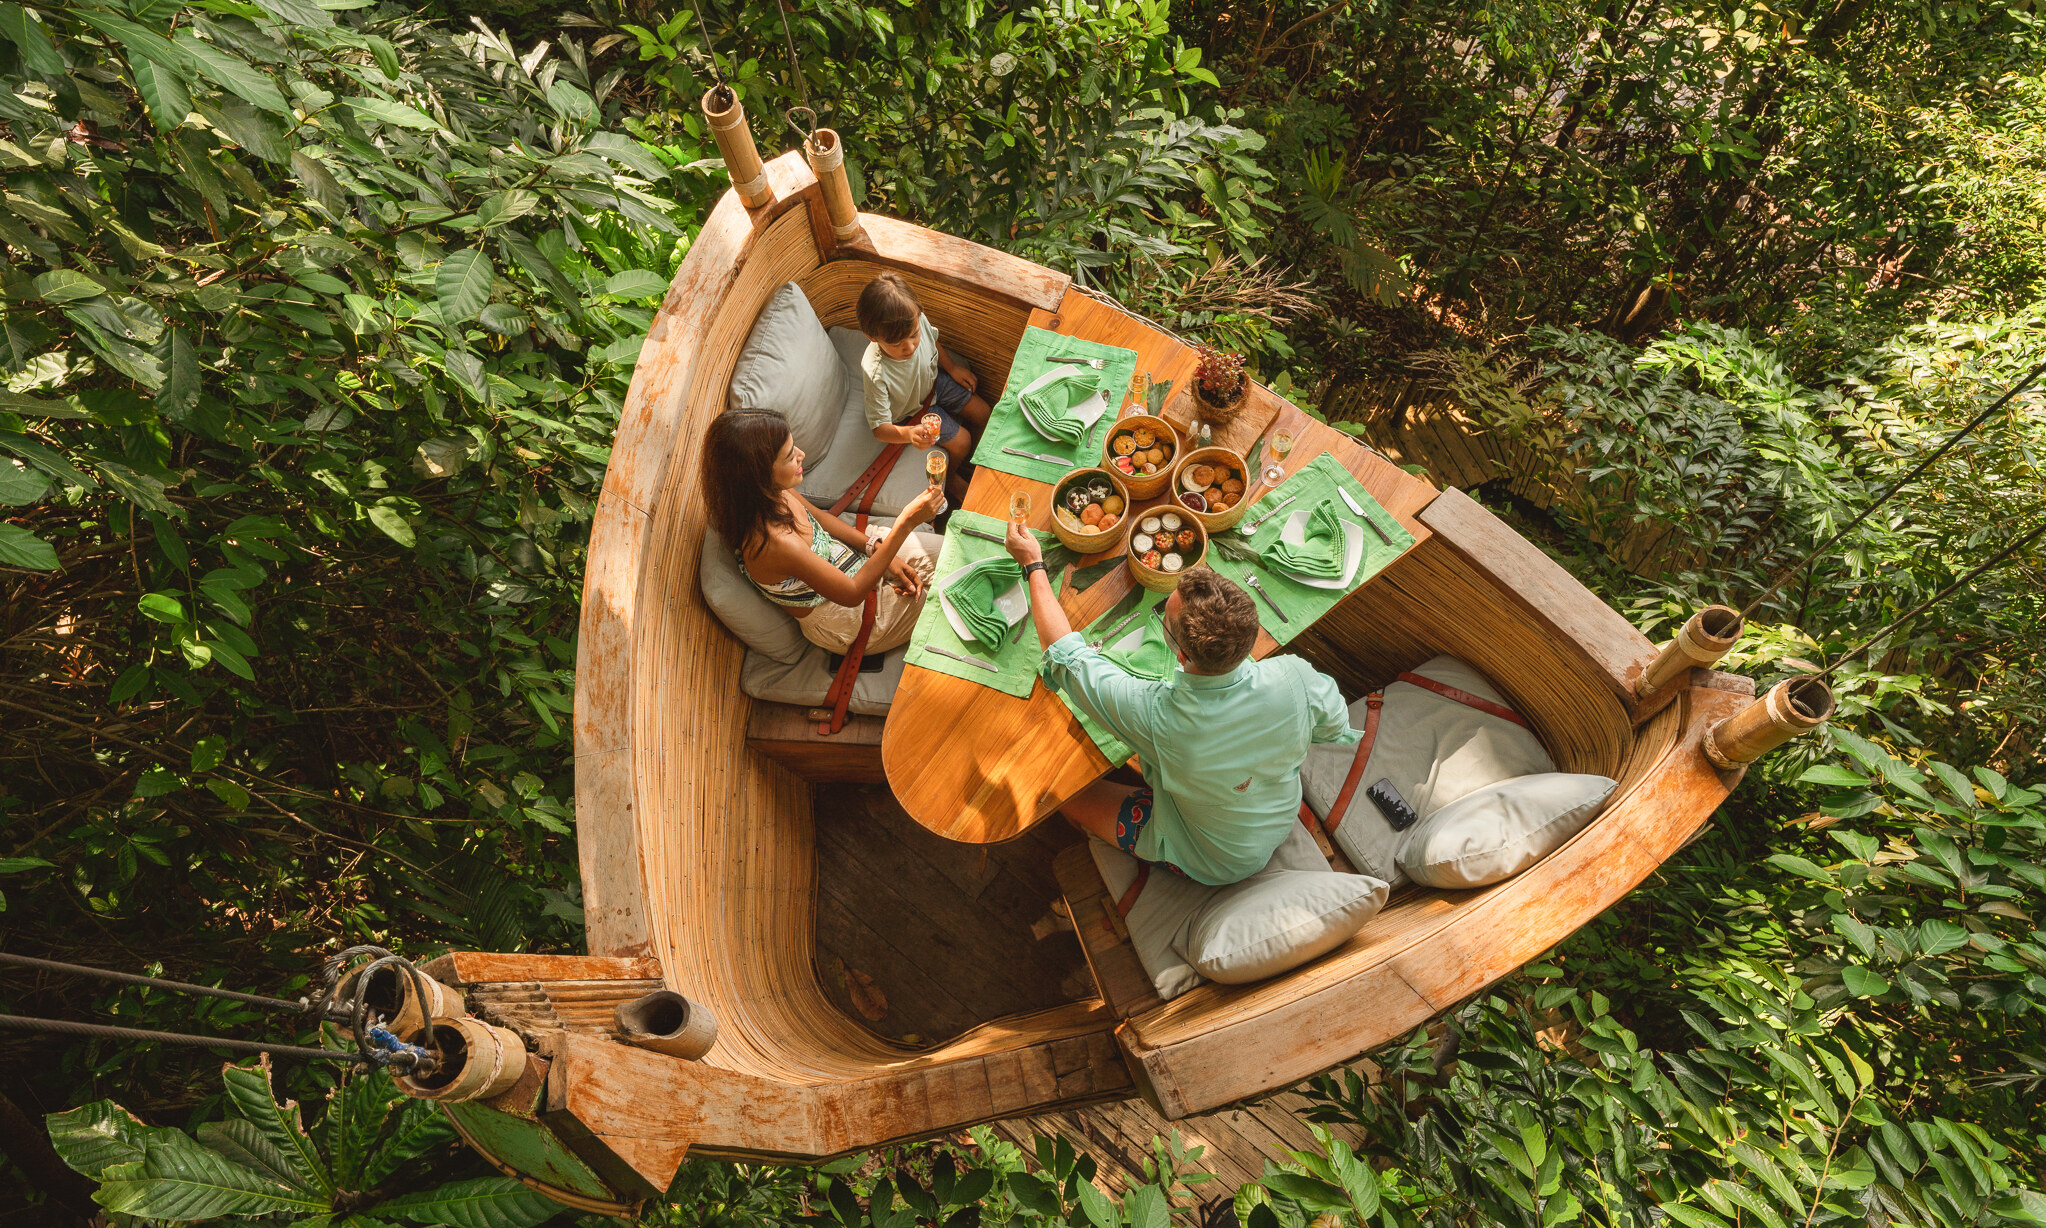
(1019, 507)
(934, 467)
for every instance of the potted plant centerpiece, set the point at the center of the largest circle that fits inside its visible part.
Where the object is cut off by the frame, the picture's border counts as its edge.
(1219, 384)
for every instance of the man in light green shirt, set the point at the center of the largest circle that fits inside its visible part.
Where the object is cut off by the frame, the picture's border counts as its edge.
(1220, 742)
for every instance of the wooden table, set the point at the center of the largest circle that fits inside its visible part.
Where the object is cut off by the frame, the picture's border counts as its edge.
(975, 765)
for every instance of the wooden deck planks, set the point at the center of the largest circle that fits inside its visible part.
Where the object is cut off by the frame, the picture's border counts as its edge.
(943, 929)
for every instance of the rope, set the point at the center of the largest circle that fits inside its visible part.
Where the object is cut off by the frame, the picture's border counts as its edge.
(26, 1024)
(1917, 469)
(1938, 597)
(302, 1006)
(709, 49)
(796, 73)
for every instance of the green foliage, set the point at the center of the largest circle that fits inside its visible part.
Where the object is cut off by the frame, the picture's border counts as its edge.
(316, 329)
(1069, 133)
(262, 1163)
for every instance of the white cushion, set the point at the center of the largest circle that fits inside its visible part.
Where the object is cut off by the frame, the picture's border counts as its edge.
(1277, 920)
(853, 446)
(1496, 832)
(808, 681)
(1435, 751)
(789, 364)
(760, 624)
(1284, 915)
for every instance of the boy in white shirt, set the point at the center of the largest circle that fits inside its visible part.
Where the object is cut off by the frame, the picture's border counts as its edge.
(908, 374)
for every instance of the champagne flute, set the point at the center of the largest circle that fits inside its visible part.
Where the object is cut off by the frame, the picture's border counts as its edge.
(934, 467)
(1019, 507)
(1281, 445)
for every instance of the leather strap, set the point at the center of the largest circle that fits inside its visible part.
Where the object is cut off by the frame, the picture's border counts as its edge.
(1373, 702)
(866, 487)
(1136, 888)
(1465, 698)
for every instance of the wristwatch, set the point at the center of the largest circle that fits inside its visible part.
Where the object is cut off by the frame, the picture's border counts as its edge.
(1034, 565)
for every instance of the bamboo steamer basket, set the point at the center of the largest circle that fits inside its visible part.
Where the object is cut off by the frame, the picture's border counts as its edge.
(1144, 486)
(1089, 541)
(1165, 581)
(1213, 522)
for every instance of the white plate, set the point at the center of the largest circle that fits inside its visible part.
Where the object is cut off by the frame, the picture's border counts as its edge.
(1088, 411)
(1134, 640)
(1014, 606)
(1295, 532)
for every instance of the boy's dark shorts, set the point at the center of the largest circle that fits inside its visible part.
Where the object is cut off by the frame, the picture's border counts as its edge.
(948, 397)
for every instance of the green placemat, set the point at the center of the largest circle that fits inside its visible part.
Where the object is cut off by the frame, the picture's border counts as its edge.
(1113, 748)
(1015, 671)
(1007, 429)
(1315, 483)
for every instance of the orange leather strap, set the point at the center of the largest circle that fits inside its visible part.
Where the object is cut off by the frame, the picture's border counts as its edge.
(1465, 698)
(866, 487)
(1129, 897)
(1373, 702)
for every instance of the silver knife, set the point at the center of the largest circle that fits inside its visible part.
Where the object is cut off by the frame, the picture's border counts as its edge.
(1112, 632)
(1252, 581)
(1039, 456)
(1365, 516)
(1267, 514)
(946, 652)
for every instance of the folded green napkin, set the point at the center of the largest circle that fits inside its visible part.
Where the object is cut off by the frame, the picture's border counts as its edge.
(1152, 657)
(972, 591)
(1320, 552)
(1048, 405)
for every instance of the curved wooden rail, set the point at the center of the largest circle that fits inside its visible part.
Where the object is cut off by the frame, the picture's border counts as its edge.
(699, 853)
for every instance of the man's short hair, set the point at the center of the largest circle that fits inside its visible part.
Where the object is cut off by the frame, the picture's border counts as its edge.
(1217, 621)
(887, 309)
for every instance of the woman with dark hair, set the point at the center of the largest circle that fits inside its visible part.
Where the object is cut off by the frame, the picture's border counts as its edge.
(805, 560)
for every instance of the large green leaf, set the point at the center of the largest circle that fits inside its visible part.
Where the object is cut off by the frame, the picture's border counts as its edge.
(95, 1137)
(38, 53)
(355, 1116)
(420, 1127)
(462, 284)
(238, 76)
(180, 1180)
(248, 1090)
(487, 1202)
(21, 548)
(244, 1142)
(19, 484)
(397, 114)
(66, 286)
(168, 100)
(635, 283)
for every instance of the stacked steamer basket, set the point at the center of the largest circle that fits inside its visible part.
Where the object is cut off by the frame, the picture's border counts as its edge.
(1091, 510)
(1213, 486)
(1163, 544)
(1148, 446)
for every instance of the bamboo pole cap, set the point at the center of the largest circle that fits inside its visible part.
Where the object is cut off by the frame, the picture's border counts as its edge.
(667, 1022)
(1792, 707)
(726, 116)
(1704, 638)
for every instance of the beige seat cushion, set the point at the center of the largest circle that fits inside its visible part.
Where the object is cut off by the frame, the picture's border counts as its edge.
(1291, 911)
(789, 364)
(1436, 752)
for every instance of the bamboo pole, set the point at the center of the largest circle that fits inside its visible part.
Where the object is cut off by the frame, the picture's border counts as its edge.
(727, 118)
(1708, 636)
(478, 1061)
(1792, 707)
(667, 1022)
(827, 159)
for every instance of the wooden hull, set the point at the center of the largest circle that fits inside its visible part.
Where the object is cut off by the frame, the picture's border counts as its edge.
(698, 854)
